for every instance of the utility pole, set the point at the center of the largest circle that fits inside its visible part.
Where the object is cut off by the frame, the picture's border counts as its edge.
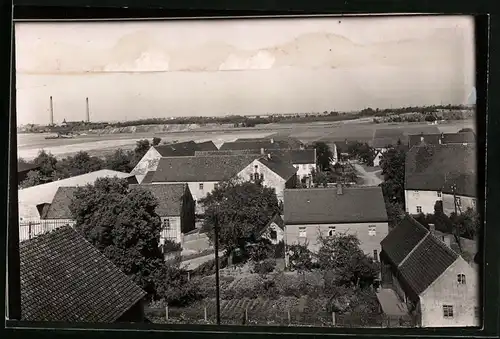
(457, 233)
(216, 245)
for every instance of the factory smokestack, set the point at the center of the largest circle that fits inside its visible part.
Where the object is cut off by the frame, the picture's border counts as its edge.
(51, 112)
(88, 109)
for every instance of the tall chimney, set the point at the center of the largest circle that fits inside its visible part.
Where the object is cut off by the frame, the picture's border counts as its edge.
(340, 190)
(88, 109)
(51, 112)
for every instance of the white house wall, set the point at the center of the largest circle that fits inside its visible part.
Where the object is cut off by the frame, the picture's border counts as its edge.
(304, 170)
(425, 199)
(447, 291)
(174, 233)
(149, 162)
(279, 233)
(465, 203)
(271, 179)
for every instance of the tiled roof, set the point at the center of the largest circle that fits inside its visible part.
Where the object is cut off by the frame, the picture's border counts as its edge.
(324, 205)
(426, 263)
(279, 166)
(65, 278)
(402, 239)
(180, 149)
(200, 169)
(296, 156)
(459, 138)
(291, 142)
(255, 145)
(387, 141)
(228, 152)
(443, 138)
(148, 178)
(206, 146)
(425, 139)
(465, 185)
(427, 167)
(25, 167)
(277, 220)
(59, 208)
(169, 197)
(30, 197)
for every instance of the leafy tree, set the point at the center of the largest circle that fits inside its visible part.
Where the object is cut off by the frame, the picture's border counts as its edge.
(120, 161)
(430, 117)
(32, 178)
(393, 170)
(342, 255)
(156, 141)
(141, 148)
(320, 179)
(467, 223)
(323, 155)
(47, 163)
(260, 250)
(123, 225)
(78, 164)
(395, 213)
(242, 210)
(362, 151)
(300, 258)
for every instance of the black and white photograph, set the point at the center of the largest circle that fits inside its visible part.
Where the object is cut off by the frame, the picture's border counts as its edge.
(308, 171)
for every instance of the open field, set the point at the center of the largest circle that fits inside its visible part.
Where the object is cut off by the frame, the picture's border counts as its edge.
(361, 129)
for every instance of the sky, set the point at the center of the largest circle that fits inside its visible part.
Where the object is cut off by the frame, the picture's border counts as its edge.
(144, 69)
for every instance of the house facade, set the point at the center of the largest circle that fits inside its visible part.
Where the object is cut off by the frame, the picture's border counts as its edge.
(422, 201)
(274, 230)
(309, 213)
(460, 193)
(176, 209)
(149, 162)
(439, 287)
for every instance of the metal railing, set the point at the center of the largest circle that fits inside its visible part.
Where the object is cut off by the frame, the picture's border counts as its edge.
(30, 228)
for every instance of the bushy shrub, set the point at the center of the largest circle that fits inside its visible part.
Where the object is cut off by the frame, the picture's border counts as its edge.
(264, 267)
(208, 268)
(279, 250)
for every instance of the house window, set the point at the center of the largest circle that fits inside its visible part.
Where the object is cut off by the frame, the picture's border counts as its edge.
(372, 230)
(331, 231)
(166, 224)
(262, 176)
(302, 232)
(419, 209)
(461, 279)
(201, 187)
(439, 194)
(256, 167)
(273, 234)
(251, 176)
(375, 255)
(448, 311)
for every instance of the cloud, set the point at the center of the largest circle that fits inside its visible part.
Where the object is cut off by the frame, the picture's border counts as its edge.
(258, 61)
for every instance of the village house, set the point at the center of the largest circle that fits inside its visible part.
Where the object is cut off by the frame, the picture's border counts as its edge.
(149, 162)
(274, 230)
(64, 278)
(176, 208)
(461, 138)
(360, 211)
(58, 212)
(256, 144)
(439, 287)
(459, 193)
(23, 169)
(292, 143)
(33, 201)
(428, 168)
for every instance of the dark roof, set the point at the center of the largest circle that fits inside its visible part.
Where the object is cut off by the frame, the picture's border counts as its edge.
(169, 197)
(206, 146)
(442, 138)
(291, 142)
(25, 167)
(228, 152)
(65, 278)
(180, 149)
(427, 167)
(199, 169)
(459, 138)
(324, 205)
(465, 185)
(59, 208)
(278, 165)
(386, 142)
(402, 239)
(148, 178)
(426, 263)
(255, 145)
(296, 156)
(277, 220)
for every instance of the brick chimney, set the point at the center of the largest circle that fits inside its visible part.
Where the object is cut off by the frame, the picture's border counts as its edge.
(340, 189)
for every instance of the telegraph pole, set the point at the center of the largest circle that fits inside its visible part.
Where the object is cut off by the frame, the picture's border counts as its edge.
(216, 245)
(457, 233)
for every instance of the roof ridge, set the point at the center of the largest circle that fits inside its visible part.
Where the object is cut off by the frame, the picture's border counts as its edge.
(413, 250)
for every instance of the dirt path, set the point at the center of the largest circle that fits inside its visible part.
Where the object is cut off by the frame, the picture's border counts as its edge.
(369, 178)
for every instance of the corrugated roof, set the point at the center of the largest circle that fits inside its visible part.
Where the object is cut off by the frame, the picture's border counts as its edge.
(402, 239)
(426, 167)
(30, 197)
(200, 169)
(324, 205)
(169, 197)
(65, 278)
(59, 208)
(426, 263)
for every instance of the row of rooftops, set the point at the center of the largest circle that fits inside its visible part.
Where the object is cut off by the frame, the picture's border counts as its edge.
(413, 136)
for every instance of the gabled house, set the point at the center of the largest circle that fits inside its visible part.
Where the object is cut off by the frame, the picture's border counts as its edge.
(274, 230)
(58, 212)
(64, 278)
(327, 211)
(439, 287)
(176, 208)
(33, 199)
(429, 167)
(149, 162)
